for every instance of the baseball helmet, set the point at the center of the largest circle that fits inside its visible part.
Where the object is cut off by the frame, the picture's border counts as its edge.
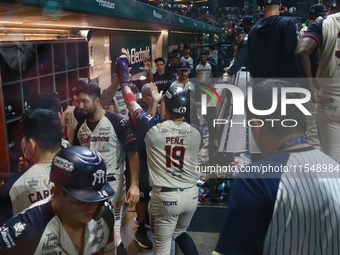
(81, 172)
(177, 101)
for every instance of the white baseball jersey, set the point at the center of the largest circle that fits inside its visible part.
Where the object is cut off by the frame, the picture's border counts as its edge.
(326, 33)
(187, 86)
(172, 150)
(21, 190)
(327, 36)
(204, 73)
(190, 60)
(38, 231)
(110, 136)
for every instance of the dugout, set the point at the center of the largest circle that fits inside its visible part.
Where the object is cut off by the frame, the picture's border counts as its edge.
(47, 45)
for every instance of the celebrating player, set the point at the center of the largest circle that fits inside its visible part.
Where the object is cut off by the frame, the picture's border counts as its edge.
(74, 220)
(111, 136)
(40, 142)
(172, 146)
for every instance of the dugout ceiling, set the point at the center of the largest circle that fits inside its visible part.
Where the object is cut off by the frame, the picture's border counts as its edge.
(36, 18)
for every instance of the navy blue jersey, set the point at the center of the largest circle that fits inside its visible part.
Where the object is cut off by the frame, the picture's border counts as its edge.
(39, 231)
(271, 46)
(286, 203)
(241, 59)
(163, 81)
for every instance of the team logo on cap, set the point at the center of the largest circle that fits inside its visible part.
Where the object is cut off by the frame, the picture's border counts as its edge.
(63, 164)
(168, 94)
(269, 1)
(98, 176)
(180, 110)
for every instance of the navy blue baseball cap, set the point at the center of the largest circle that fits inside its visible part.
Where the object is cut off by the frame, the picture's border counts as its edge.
(159, 59)
(318, 9)
(271, 2)
(247, 20)
(259, 16)
(238, 30)
(186, 46)
(172, 55)
(206, 52)
(184, 65)
(333, 5)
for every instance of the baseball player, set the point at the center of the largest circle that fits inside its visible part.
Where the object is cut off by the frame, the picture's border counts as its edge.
(288, 202)
(40, 142)
(172, 147)
(111, 136)
(271, 45)
(204, 70)
(324, 35)
(183, 81)
(186, 55)
(72, 114)
(142, 218)
(51, 101)
(74, 220)
(162, 77)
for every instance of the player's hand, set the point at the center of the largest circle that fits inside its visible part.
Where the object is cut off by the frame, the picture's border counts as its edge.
(147, 64)
(194, 103)
(225, 74)
(132, 196)
(318, 97)
(122, 73)
(156, 96)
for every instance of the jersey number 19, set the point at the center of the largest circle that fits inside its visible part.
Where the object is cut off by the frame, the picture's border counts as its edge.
(174, 156)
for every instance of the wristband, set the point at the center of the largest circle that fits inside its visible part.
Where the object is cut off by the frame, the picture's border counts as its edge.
(129, 97)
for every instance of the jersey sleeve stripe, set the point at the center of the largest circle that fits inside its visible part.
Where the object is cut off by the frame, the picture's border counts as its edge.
(134, 117)
(315, 38)
(131, 139)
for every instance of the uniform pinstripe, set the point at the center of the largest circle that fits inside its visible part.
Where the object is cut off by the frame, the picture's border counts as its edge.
(287, 212)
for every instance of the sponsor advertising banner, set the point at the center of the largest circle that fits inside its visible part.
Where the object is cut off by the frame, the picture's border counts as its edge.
(135, 47)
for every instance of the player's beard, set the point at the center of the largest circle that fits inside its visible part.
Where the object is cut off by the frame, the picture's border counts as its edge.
(88, 113)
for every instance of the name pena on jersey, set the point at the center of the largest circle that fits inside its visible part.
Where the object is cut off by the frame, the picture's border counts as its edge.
(169, 203)
(174, 140)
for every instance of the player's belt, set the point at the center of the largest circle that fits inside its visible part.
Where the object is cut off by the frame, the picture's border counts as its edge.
(165, 189)
(333, 94)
